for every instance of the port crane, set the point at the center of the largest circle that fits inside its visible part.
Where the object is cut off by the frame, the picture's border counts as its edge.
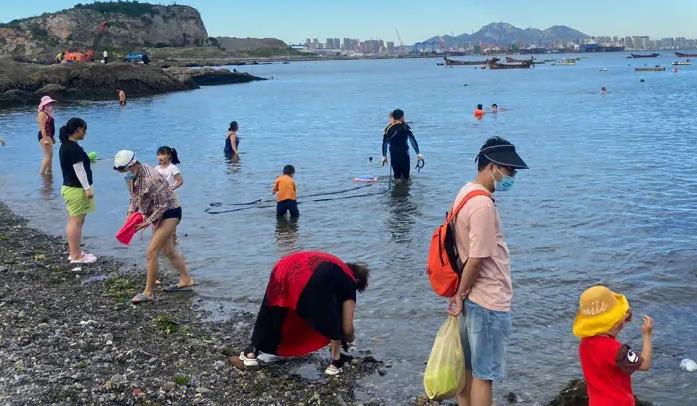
(401, 44)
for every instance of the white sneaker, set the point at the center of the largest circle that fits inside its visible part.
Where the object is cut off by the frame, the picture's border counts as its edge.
(332, 370)
(86, 259)
(248, 362)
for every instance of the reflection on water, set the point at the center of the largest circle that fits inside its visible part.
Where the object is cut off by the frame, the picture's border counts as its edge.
(603, 203)
(402, 212)
(286, 234)
(47, 190)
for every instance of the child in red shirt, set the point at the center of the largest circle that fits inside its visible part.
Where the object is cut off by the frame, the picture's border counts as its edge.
(608, 364)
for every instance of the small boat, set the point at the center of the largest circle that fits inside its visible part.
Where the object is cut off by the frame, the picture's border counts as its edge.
(567, 62)
(656, 68)
(498, 65)
(644, 55)
(513, 60)
(684, 55)
(682, 63)
(455, 62)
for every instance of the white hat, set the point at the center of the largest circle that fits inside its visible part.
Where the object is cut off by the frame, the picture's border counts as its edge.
(124, 159)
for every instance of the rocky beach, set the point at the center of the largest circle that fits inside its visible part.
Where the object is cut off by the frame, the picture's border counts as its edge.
(25, 83)
(70, 336)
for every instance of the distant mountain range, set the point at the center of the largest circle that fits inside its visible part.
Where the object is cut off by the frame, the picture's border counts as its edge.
(504, 34)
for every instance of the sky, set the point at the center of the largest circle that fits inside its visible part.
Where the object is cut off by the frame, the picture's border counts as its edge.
(295, 20)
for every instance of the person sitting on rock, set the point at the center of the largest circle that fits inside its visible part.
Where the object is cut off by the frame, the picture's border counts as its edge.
(310, 302)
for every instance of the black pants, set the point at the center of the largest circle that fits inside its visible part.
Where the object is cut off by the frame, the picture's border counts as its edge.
(400, 163)
(287, 206)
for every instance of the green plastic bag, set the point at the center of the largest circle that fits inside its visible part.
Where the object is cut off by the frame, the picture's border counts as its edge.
(445, 370)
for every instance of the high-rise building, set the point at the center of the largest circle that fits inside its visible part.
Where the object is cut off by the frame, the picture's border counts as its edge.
(615, 40)
(628, 43)
(329, 43)
(390, 47)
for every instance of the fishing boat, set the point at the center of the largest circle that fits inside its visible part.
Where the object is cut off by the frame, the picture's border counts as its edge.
(656, 68)
(455, 62)
(684, 55)
(682, 63)
(644, 55)
(513, 60)
(520, 65)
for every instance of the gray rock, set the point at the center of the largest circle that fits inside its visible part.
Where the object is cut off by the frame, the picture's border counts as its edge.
(202, 391)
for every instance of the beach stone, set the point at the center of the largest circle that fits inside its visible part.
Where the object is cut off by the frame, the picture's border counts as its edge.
(202, 390)
(218, 364)
(169, 386)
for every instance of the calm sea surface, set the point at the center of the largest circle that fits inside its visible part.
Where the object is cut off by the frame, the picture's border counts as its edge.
(611, 197)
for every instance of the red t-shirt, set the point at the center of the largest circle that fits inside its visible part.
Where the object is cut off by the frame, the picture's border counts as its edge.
(607, 368)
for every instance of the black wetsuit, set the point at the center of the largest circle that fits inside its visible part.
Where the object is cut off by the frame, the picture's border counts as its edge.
(396, 136)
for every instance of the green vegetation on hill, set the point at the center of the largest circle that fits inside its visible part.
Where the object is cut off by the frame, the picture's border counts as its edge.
(129, 8)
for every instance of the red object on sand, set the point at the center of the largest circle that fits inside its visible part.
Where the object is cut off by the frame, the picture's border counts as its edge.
(126, 233)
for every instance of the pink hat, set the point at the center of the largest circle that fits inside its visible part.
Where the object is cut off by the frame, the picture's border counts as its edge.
(44, 101)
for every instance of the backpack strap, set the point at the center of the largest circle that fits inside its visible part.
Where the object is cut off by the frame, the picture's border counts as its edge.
(464, 201)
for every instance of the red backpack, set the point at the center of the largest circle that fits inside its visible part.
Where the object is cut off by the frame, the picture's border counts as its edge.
(444, 266)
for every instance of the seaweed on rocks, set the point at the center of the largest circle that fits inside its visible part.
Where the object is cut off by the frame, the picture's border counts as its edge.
(574, 394)
(68, 335)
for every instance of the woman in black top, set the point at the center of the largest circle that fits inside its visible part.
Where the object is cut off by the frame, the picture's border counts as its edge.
(77, 186)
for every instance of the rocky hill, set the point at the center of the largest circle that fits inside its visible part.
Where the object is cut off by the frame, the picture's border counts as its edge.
(131, 24)
(504, 34)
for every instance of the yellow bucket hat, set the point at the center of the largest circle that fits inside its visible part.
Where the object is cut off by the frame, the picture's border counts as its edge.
(600, 310)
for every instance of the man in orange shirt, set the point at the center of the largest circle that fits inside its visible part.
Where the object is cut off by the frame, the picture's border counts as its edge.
(285, 192)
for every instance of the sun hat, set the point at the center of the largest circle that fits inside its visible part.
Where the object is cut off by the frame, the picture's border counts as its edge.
(504, 155)
(600, 310)
(44, 101)
(123, 159)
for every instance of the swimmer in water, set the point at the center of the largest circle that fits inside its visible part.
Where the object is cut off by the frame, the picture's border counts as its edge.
(479, 112)
(494, 108)
(122, 96)
(603, 90)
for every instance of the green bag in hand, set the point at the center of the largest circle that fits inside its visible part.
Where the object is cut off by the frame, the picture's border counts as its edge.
(445, 371)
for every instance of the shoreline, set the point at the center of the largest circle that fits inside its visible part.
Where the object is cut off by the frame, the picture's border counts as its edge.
(25, 84)
(69, 335)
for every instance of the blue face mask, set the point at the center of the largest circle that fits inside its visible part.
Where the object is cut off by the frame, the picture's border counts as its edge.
(506, 182)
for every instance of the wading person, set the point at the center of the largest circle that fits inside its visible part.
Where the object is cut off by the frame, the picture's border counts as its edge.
(122, 96)
(485, 285)
(479, 111)
(310, 302)
(286, 193)
(168, 159)
(232, 141)
(47, 130)
(396, 136)
(77, 186)
(608, 364)
(155, 200)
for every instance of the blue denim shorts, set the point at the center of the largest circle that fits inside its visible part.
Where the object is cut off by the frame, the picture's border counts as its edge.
(484, 333)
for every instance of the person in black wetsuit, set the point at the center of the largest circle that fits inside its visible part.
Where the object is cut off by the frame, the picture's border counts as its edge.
(396, 135)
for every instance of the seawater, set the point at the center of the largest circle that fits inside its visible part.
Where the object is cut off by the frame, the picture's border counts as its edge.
(610, 197)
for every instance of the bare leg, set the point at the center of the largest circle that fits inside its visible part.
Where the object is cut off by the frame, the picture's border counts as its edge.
(463, 397)
(335, 346)
(47, 160)
(161, 236)
(481, 393)
(73, 231)
(175, 257)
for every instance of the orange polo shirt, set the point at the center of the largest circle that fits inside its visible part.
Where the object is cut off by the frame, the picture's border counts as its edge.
(284, 188)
